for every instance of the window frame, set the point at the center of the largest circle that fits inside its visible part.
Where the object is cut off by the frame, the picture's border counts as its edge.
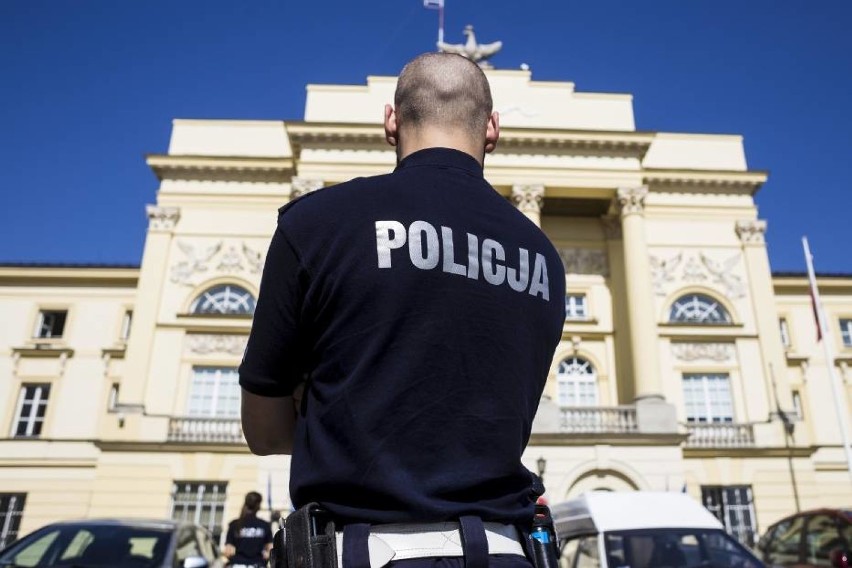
(248, 297)
(576, 307)
(11, 516)
(575, 381)
(697, 298)
(32, 419)
(845, 334)
(224, 377)
(39, 323)
(747, 533)
(784, 331)
(200, 489)
(707, 400)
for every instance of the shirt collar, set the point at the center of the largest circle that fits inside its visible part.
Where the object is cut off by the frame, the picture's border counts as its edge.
(446, 157)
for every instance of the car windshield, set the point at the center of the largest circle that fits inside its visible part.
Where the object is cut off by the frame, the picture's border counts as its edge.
(676, 548)
(86, 546)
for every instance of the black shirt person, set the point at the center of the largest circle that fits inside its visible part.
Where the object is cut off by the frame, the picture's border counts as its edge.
(249, 539)
(423, 309)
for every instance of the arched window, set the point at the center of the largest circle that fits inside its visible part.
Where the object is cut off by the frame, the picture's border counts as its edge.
(577, 382)
(224, 299)
(698, 309)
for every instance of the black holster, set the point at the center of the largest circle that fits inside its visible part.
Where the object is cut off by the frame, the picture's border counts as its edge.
(543, 540)
(306, 541)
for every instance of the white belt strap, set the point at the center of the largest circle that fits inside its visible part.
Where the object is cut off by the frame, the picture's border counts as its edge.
(430, 540)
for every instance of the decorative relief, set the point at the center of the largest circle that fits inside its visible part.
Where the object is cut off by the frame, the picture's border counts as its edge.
(631, 199)
(584, 261)
(697, 269)
(162, 218)
(719, 352)
(204, 344)
(300, 186)
(751, 231)
(528, 198)
(662, 271)
(199, 259)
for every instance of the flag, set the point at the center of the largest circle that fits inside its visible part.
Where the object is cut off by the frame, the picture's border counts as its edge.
(433, 4)
(814, 291)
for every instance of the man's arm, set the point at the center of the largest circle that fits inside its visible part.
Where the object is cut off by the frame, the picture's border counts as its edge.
(268, 423)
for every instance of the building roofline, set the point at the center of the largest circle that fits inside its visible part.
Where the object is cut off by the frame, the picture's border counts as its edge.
(48, 264)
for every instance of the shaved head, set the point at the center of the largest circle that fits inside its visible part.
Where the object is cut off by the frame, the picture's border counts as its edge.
(443, 91)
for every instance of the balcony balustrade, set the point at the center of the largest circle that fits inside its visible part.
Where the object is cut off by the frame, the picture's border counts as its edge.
(205, 430)
(598, 420)
(720, 435)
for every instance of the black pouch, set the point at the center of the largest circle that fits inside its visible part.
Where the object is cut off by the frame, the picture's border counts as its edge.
(278, 555)
(311, 541)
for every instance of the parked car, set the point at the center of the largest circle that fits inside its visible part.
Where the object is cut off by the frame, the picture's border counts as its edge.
(820, 537)
(115, 542)
(643, 529)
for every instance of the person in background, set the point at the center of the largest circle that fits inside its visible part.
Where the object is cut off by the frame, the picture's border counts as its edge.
(249, 539)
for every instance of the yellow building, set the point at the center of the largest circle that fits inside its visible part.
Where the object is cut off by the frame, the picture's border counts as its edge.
(118, 385)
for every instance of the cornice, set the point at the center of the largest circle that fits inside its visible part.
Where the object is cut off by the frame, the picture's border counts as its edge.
(73, 276)
(225, 168)
(801, 285)
(709, 181)
(613, 439)
(752, 452)
(171, 447)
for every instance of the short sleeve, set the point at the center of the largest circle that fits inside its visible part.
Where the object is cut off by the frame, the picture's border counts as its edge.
(231, 537)
(273, 361)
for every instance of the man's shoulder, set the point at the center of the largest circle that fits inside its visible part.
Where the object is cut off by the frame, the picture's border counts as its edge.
(332, 195)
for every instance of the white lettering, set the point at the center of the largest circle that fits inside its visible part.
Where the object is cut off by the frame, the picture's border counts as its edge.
(384, 242)
(520, 278)
(429, 260)
(539, 280)
(450, 264)
(472, 256)
(492, 251)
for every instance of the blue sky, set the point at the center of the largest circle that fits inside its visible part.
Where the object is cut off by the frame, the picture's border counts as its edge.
(88, 87)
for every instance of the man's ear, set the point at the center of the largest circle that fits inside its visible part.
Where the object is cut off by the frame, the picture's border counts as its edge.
(390, 126)
(492, 132)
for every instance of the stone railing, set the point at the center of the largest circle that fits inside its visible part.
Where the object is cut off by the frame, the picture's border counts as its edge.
(597, 419)
(720, 435)
(205, 430)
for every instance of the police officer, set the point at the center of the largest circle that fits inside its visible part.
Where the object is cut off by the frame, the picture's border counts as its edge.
(249, 539)
(418, 313)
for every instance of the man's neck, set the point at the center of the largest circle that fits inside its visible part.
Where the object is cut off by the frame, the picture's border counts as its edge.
(433, 138)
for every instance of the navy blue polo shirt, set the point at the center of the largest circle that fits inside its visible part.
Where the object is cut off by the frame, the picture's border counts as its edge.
(424, 309)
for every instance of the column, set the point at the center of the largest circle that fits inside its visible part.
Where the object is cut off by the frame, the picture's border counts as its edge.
(644, 343)
(528, 199)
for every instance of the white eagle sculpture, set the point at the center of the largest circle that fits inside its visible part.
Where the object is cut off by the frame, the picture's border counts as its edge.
(476, 52)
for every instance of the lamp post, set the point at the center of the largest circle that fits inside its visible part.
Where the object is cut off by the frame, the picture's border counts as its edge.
(541, 463)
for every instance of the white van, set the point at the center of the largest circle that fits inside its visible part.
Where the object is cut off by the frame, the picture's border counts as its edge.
(643, 529)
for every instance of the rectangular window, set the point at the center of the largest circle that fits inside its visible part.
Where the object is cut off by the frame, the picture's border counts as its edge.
(30, 411)
(200, 502)
(733, 505)
(785, 332)
(707, 397)
(11, 511)
(113, 397)
(50, 324)
(575, 307)
(214, 393)
(126, 321)
(846, 332)
(797, 405)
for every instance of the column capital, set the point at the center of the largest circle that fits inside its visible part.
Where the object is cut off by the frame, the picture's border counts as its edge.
(528, 198)
(300, 186)
(162, 218)
(630, 200)
(751, 231)
(611, 226)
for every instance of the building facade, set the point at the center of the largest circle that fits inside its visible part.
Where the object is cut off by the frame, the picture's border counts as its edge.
(684, 365)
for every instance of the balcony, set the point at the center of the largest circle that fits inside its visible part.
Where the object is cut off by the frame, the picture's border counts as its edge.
(597, 420)
(205, 430)
(720, 435)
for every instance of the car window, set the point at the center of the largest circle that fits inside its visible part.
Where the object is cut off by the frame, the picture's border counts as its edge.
(821, 538)
(580, 552)
(676, 548)
(186, 545)
(846, 533)
(785, 544)
(78, 544)
(36, 552)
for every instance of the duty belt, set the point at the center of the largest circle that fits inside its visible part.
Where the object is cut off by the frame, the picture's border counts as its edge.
(427, 540)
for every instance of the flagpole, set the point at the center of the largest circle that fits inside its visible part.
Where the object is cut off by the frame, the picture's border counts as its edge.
(839, 398)
(441, 22)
